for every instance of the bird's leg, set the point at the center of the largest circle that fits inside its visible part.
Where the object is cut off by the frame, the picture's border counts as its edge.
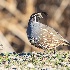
(31, 55)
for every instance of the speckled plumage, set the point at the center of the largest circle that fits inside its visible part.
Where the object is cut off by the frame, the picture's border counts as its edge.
(43, 36)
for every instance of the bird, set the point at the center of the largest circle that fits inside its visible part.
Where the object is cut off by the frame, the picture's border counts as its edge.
(41, 35)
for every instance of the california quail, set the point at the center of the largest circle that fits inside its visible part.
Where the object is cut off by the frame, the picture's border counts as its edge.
(41, 35)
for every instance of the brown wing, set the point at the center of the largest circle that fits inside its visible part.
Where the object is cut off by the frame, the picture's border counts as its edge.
(49, 38)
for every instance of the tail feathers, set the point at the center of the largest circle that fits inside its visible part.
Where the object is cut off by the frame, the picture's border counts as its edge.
(67, 43)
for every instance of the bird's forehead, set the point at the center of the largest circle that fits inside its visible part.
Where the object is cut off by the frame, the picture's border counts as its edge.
(37, 14)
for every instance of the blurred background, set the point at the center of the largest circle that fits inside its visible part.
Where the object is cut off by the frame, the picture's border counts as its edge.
(14, 17)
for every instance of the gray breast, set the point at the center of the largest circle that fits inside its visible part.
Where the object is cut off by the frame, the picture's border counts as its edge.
(36, 28)
(33, 30)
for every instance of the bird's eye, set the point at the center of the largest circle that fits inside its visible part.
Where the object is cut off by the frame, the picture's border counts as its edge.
(37, 18)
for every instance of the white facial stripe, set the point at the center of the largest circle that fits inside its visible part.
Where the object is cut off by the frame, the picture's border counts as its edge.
(35, 18)
(40, 15)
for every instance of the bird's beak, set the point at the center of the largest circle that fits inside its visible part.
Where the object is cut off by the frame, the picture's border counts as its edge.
(40, 15)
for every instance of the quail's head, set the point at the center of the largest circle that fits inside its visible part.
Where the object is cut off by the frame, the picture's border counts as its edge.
(43, 36)
(37, 16)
